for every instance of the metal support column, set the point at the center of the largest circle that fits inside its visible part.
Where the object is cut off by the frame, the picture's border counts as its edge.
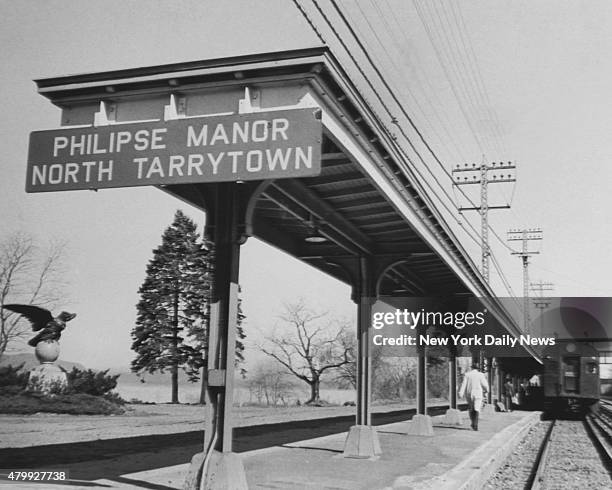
(453, 415)
(364, 362)
(217, 467)
(452, 380)
(421, 423)
(422, 382)
(490, 379)
(362, 440)
(500, 382)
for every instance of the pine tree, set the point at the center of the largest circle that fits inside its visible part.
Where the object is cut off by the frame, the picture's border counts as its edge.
(173, 312)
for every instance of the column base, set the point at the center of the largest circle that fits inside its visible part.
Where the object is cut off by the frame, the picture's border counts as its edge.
(362, 442)
(420, 425)
(453, 417)
(224, 471)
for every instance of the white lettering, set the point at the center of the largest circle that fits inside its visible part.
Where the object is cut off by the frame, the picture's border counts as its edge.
(194, 162)
(74, 145)
(176, 164)
(263, 133)
(219, 134)
(156, 139)
(123, 137)
(278, 158)
(301, 157)
(140, 161)
(97, 150)
(39, 172)
(59, 142)
(242, 132)
(72, 169)
(55, 173)
(194, 139)
(88, 166)
(254, 166)
(108, 171)
(279, 126)
(234, 155)
(215, 162)
(141, 139)
(155, 168)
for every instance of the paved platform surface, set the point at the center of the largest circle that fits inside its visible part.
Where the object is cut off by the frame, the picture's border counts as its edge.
(407, 462)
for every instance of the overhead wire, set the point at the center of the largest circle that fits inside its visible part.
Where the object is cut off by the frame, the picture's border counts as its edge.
(394, 63)
(445, 69)
(394, 16)
(464, 70)
(408, 117)
(387, 109)
(458, 14)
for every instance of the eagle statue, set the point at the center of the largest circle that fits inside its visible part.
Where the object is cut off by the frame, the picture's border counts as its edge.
(42, 321)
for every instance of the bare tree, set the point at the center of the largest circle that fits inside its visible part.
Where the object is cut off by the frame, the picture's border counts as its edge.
(269, 384)
(28, 275)
(311, 347)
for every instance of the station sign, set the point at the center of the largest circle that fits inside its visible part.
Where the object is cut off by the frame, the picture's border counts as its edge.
(226, 148)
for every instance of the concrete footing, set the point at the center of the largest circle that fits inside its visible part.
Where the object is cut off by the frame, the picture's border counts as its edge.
(223, 471)
(453, 417)
(362, 442)
(420, 425)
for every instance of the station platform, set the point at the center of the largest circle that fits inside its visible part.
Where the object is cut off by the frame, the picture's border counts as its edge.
(454, 457)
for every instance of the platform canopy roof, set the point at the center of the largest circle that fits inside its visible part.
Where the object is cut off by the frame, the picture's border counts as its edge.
(367, 201)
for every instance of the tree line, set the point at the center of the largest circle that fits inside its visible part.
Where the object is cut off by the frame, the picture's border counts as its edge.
(173, 315)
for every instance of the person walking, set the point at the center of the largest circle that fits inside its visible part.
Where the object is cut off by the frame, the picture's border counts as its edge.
(473, 388)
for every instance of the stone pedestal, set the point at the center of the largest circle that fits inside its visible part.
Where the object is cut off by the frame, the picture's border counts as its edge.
(420, 425)
(48, 377)
(362, 442)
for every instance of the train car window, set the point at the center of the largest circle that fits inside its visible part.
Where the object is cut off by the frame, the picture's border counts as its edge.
(571, 374)
(591, 368)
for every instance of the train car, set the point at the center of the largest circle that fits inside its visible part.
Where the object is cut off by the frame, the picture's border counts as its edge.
(570, 378)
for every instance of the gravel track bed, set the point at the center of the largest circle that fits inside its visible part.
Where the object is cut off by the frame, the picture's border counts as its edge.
(515, 471)
(573, 460)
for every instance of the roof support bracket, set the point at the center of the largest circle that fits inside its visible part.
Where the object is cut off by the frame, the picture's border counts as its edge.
(107, 114)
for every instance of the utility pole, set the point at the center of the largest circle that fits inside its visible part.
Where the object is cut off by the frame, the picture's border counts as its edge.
(485, 174)
(540, 301)
(525, 236)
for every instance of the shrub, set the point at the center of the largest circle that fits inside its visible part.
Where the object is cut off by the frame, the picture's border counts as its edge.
(75, 404)
(10, 376)
(90, 382)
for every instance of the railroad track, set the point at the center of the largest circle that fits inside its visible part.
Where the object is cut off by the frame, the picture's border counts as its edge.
(574, 454)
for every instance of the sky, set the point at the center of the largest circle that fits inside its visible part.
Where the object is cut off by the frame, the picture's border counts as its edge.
(545, 67)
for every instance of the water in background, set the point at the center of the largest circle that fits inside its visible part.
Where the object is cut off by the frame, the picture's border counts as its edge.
(190, 393)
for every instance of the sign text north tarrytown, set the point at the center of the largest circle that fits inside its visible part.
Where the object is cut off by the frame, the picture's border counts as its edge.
(265, 145)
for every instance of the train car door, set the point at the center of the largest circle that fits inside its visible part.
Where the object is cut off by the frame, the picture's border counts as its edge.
(571, 374)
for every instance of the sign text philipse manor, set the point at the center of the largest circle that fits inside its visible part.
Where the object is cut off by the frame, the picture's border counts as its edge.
(264, 145)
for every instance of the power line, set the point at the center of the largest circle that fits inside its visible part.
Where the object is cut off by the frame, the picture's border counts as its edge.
(386, 108)
(444, 67)
(488, 105)
(390, 31)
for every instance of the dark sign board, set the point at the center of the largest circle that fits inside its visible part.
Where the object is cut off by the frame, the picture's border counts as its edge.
(256, 146)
